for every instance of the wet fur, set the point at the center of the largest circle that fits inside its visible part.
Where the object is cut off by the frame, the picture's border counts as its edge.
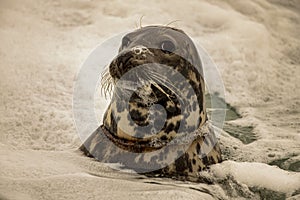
(189, 163)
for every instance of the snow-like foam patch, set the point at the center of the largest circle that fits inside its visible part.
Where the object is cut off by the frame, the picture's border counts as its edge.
(259, 175)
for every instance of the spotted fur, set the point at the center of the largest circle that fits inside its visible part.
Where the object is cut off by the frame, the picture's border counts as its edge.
(109, 143)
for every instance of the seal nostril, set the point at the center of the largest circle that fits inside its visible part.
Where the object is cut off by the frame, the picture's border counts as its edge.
(137, 51)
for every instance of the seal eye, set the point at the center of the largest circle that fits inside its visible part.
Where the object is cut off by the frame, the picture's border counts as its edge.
(125, 42)
(167, 46)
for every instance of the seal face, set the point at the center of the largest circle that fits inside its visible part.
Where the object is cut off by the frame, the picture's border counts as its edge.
(145, 75)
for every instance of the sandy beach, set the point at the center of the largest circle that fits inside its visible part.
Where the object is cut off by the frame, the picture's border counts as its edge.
(255, 45)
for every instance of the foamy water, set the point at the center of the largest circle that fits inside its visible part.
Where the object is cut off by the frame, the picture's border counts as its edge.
(255, 45)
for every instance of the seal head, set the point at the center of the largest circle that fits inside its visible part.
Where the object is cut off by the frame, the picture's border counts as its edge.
(153, 46)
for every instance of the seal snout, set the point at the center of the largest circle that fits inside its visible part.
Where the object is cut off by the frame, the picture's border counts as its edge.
(128, 59)
(138, 50)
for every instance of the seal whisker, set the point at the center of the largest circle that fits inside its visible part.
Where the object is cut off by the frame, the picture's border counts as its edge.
(177, 20)
(136, 25)
(141, 21)
(167, 27)
(157, 77)
(106, 83)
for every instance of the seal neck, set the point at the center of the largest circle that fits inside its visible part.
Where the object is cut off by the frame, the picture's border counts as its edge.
(133, 146)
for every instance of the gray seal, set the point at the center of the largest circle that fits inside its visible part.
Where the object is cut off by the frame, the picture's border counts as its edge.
(145, 49)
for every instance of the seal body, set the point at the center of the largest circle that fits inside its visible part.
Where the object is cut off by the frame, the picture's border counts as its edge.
(156, 65)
